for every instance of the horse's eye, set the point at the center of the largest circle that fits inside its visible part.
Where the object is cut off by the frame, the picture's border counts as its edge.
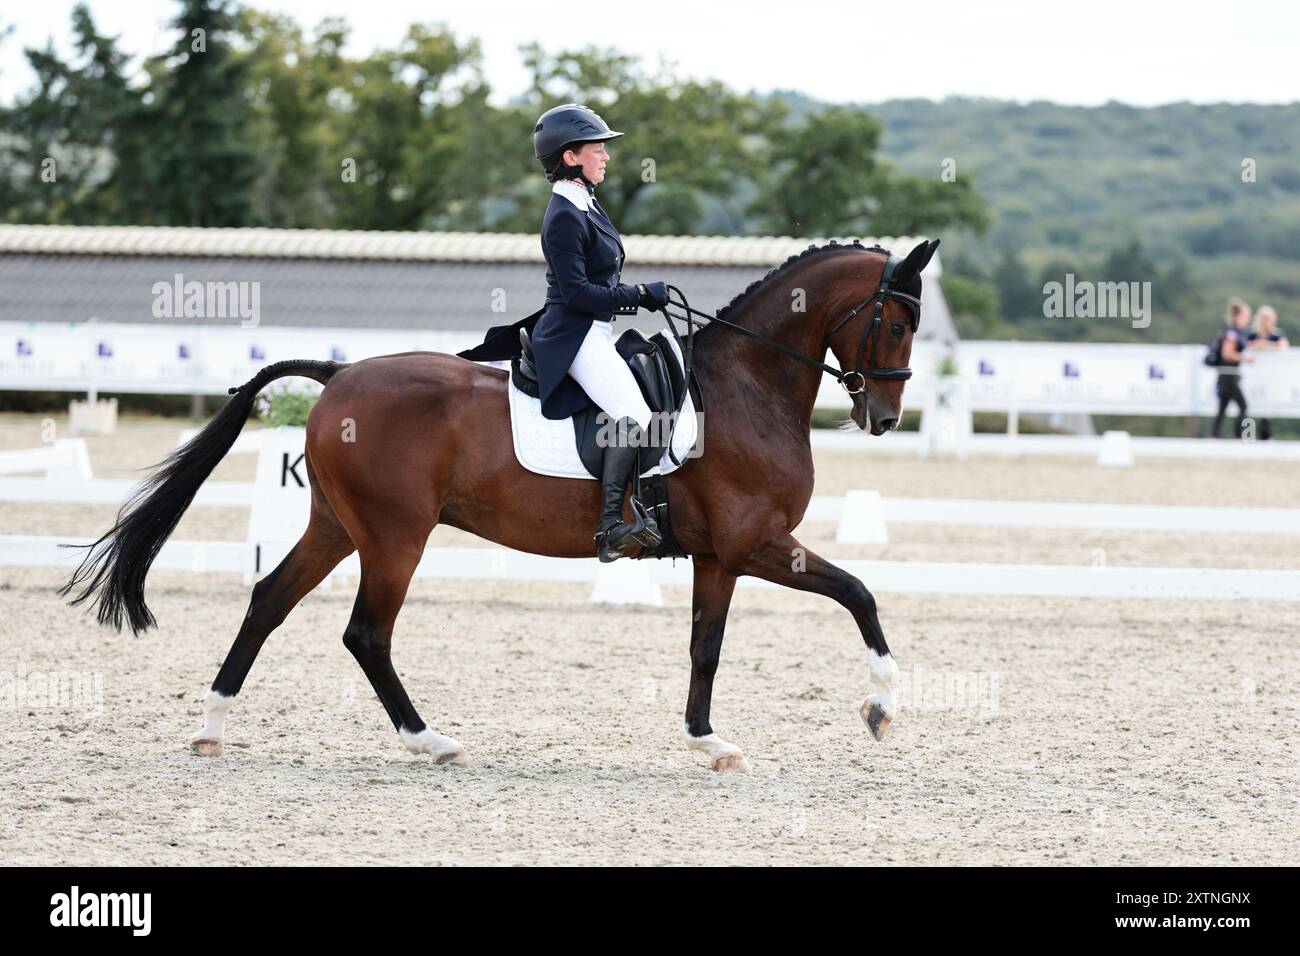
(896, 329)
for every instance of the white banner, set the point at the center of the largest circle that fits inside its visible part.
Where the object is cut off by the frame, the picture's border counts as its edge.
(1000, 376)
(180, 359)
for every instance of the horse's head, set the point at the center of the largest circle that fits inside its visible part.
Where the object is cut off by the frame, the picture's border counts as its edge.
(874, 343)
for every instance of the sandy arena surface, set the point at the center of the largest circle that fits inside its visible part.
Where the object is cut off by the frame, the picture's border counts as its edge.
(1050, 731)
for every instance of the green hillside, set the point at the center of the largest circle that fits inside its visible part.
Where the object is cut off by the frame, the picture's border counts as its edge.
(1071, 188)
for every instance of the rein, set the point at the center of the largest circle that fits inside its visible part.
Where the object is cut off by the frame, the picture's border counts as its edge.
(869, 336)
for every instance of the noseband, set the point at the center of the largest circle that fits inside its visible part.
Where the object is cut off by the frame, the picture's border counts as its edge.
(870, 335)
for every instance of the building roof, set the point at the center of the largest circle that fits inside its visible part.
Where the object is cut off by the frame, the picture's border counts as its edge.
(440, 280)
(764, 251)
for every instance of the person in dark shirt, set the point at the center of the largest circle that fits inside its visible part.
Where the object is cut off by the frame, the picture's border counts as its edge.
(1265, 336)
(1232, 355)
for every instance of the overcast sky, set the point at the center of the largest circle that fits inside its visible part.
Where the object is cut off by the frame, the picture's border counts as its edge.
(1143, 53)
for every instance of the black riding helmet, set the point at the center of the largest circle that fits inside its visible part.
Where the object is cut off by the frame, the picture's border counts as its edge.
(564, 127)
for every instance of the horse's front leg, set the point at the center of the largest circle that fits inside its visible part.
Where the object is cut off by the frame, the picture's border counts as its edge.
(784, 560)
(710, 600)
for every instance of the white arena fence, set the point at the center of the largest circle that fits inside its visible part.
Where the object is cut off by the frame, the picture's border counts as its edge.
(65, 459)
(848, 512)
(278, 507)
(1088, 446)
(638, 582)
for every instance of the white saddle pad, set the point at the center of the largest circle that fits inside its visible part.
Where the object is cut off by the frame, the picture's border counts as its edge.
(548, 447)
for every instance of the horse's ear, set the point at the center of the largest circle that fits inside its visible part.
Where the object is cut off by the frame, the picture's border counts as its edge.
(916, 261)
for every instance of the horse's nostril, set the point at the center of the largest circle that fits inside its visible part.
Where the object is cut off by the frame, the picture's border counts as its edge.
(888, 423)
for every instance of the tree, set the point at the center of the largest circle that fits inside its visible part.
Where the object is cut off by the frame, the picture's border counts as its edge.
(201, 116)
(291, 78)
(9, 197)
(250, 120)
(975, 305)
(826, 179)
(911, 206)
(406, 117)
(62, 136)
(1020, 297)
(690, 148)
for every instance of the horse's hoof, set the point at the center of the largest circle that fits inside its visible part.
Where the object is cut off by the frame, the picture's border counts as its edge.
(456, 758)
(731, 763)
(206, 746)
(876, 719)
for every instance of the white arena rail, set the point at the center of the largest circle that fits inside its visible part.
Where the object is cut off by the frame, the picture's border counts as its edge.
(1065, 445)
(114, 491)
(248, 442)
(1065, 514)
(65, 458)
(901, 577)
(822, 509)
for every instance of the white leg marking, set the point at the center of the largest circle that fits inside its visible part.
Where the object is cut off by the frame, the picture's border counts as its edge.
(722, 754)
(884, 671)
(443, 749)
(208, 741)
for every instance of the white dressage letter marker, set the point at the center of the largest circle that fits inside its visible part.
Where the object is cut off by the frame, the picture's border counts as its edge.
(626, 581)
(1116, 450)
(863, 519)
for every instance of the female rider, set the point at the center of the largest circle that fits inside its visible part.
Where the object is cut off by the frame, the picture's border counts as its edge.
(573, 339)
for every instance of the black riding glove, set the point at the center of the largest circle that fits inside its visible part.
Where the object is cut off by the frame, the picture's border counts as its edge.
(654, 295)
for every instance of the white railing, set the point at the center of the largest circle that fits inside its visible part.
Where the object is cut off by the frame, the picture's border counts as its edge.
(64, 459)
(1089, 446)
(903, 577)
(821, 509)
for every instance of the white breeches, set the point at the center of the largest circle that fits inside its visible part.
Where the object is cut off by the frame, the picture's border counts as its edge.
(605, 377)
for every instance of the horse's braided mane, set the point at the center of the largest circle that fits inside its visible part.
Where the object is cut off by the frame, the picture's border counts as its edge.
(813, 250)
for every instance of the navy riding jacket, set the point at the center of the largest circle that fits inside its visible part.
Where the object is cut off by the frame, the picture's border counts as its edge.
(584, 259)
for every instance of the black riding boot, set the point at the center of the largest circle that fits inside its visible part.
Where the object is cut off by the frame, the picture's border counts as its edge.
(618, 470)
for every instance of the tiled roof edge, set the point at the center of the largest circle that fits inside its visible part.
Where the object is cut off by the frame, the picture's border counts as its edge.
(763, 251)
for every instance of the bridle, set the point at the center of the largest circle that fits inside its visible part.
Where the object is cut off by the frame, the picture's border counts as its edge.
(870, 335)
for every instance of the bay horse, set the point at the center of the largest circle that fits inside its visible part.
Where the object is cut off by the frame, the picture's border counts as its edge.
(397, 444)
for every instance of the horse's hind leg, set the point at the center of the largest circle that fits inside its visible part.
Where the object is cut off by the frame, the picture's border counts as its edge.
(385, 576)
(323, 545)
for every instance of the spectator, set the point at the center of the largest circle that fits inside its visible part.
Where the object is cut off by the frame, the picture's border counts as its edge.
(1265, 336)
(1232, 355)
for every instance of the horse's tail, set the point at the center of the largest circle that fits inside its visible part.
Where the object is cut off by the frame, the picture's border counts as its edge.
(114, 568)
